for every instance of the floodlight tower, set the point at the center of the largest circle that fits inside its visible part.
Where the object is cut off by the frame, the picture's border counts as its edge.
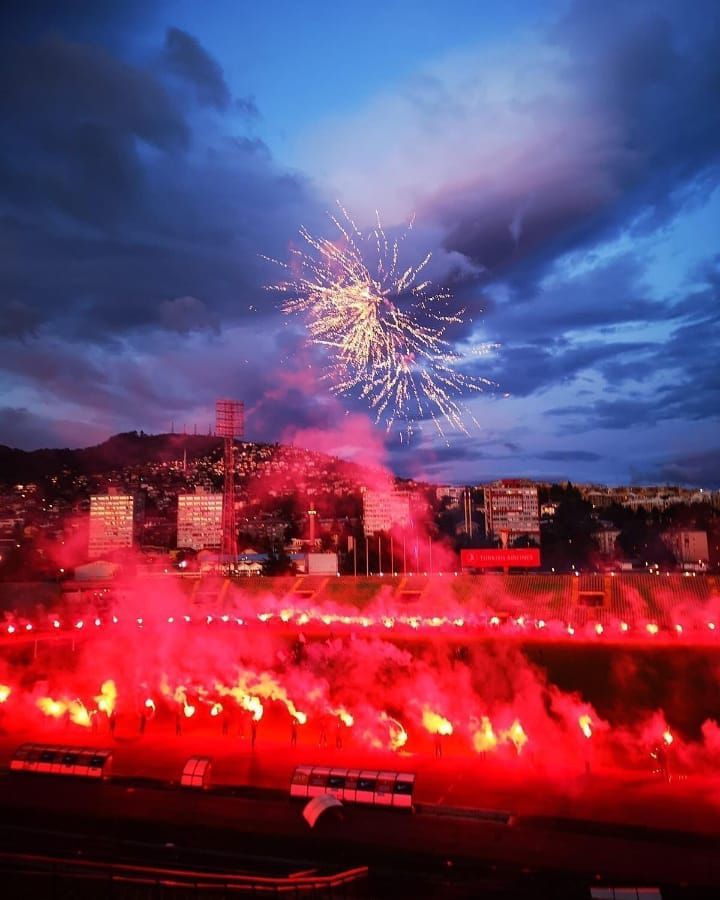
(229, 424)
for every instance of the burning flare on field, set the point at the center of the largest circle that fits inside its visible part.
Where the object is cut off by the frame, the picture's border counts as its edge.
(253, 705)
(179, 695)
(345, 717)
(585, 723)
(75, 709)
(515, 735)
(244, 700)
(266, 687)
(50, 707)
(107, 697)
(79, 713)
(484, 738)
(435, 723)
(397, 735)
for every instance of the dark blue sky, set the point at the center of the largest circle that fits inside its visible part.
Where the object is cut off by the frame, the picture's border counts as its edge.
(562, 164)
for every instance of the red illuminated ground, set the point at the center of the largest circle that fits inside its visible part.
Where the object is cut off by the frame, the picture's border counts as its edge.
(525, 718)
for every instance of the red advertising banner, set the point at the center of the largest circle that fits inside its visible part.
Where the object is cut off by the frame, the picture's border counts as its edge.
(526, 558)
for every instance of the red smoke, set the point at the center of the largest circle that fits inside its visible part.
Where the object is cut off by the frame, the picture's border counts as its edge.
(383, 685)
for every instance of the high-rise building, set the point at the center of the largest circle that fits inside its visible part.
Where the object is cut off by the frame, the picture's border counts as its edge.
(605, 539)
(384, 510)
(511, 511)
(689, 547)
(112, 523)
(451, 493)
(200, 520)
(468, 512)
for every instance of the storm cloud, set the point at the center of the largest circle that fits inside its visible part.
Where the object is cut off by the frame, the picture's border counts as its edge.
(566, 178)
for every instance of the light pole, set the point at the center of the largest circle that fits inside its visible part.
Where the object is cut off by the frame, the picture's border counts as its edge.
(229, 424)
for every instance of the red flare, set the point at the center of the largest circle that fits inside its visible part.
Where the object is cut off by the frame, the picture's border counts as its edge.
(585, 723)
(484, 737)
(50, 707)
(515, 735)
(435, 723)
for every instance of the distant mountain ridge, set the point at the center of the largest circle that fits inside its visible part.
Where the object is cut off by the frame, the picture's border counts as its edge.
(129, 449)
(126, 449)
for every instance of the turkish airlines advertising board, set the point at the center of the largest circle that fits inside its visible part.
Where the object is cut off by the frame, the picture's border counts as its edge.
(525, 558)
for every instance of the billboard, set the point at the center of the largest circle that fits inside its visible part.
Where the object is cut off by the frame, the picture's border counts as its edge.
(322, 563)
(526, 558)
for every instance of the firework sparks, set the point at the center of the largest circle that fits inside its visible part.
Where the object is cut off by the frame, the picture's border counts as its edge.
(382, 325)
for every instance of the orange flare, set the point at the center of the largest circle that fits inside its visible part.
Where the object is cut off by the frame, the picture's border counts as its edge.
(106, 698)
(435, 723)
(50, 707)
(515, 734)
(253, 705)
(79, 714)
(484, 738)
(242, 698)
(397, 734)
(345, 717)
